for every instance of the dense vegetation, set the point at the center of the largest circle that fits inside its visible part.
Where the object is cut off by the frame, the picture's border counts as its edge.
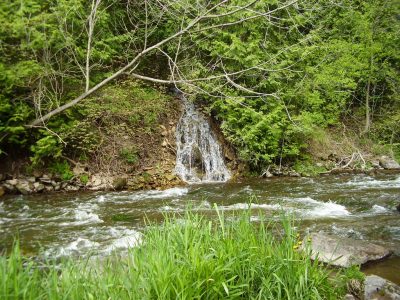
(188, 257)
(273, 73)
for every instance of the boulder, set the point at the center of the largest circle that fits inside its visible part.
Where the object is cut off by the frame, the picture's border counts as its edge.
(24, 187)
(378, 288)
(12, 182)
(38, 186)
(343, 252)
(388, 163)
(31, 179)
(9, 188)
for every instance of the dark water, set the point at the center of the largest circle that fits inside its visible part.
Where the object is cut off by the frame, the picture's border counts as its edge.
(357, 206)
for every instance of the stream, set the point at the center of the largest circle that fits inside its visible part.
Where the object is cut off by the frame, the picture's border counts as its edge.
(65, 224)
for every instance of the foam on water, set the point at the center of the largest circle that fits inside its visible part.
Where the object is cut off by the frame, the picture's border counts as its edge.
(377, 209)
(327, 209)
(75, 247)
(369, 182)
(131, 238)
(240, 206)
(84, 214)
(143, 195)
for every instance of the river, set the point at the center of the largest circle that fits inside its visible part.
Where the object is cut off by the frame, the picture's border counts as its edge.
(65, 224)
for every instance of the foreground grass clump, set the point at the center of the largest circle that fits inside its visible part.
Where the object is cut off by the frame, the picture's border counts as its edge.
(184, 258)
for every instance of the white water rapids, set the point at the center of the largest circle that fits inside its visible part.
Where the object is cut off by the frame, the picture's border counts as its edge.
(198, 157)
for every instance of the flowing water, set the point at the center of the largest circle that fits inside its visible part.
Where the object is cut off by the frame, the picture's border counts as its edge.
(198, 155)
(356, 206)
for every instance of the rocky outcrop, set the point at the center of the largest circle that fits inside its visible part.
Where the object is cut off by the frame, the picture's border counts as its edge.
(343, 252)
(378, 288)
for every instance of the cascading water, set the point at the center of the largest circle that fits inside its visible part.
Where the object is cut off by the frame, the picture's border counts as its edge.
(198, 156)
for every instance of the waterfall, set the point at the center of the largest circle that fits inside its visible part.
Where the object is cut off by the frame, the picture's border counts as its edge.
(198, 157)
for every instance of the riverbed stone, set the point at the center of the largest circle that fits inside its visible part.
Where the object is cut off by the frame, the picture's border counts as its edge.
(343, 252)
(378, 288)
(388, 163)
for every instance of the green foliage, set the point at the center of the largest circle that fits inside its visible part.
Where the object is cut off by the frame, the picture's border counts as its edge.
(63, 169)
(129, 154)
(308, 168)
(187, 257)
(84, 178)
(47, 147)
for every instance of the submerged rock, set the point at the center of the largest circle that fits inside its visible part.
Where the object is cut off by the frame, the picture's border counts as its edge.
(344, 252)
(378, 288)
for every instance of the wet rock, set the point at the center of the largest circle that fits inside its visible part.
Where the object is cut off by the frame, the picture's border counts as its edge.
(24, 187)
(119, 183)
(39, 187)
(2, 191)
(344, 252)
(377, 288)
(388, 163)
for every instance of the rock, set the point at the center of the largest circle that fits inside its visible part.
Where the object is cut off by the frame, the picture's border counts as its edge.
(48, 188)
(119, 183)
(343, 252)
(388, 163)
(170, 177)
(164, 133)
(164, 143)
(9, 188)
(378, 288)
(57, 186)
(2, 176)
(398, 207)
(31, 179)
(38, 186)
(71, 188)
(12, 182)
(294, 174)
(78, 170)
(349, 297)
(24, 187)
(2, 191)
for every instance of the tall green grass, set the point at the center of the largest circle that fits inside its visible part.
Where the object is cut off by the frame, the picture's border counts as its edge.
(187, 257)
